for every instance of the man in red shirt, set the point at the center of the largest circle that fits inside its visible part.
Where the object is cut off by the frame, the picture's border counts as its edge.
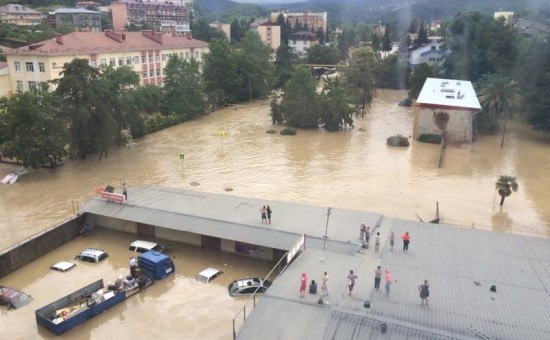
(406, 239)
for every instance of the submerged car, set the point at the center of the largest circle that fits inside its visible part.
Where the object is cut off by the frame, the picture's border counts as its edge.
(63, 266)
(12, 298)
(208, 274)
(140, 246)
(248, 286)
(92, 255)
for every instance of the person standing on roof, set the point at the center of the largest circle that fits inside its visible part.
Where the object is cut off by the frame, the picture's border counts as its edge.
(268, 211)
(424, 289)
(263, 212)
(388, 282)
(406, 239)
(303, 284)
(392, 240)
(351, 281)
(124, 191)
(324, 285)
(362, 231)
(377, 277)
(377, 240)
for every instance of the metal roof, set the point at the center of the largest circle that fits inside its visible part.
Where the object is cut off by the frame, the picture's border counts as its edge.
(450, 258)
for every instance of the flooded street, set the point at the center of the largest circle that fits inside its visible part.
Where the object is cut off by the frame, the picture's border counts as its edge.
(352, 169)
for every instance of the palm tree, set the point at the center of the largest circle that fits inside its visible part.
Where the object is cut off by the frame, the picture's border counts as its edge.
(505, 185)
(500, 97)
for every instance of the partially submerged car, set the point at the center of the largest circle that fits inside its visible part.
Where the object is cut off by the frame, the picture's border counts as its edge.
(12, 298)
(248, 286)
(63, 266)
(140, 246)
(208, 274)
(92, 255)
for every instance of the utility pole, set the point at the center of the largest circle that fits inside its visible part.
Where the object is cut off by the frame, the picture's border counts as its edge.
(326, 228)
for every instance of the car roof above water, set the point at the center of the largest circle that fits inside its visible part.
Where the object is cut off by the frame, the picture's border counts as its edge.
(141, 246)
(208, 274)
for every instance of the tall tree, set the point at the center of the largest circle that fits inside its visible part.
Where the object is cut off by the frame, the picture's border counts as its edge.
(361, 79)
(219, 71)
(387, 39)
(33, 131)
(203, 31)
(336, 105)
(505, 185)
(323, 54)
(422, 36)
(418, 78)
(85, 101)
(500, 97)
(285, 28)
(283, 65)
(299, 103)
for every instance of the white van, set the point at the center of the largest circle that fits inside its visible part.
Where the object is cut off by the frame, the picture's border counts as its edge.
(208, 274)
(139, 246)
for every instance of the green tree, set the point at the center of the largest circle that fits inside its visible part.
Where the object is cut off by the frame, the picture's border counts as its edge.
(85, 101)
(505, 185)
(148, 98)
(299, 103)
(254, 66)
(219, 70)
(361, 79)
(387, 39)
(391, 73)
(283, 65)
(183, 89)
(202, 31)
(237, 31)
(336, 105)
(500, 97)
(418, 78)
(422, 37)
(285, 28)
(33, 131)
(323, 54)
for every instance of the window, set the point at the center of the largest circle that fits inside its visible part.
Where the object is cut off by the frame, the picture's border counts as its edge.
(128, 60)
(164, 57)
(150, 58)
(93, 63)
(29, 65)
(197, 55)
(143, 59)
(151, 73)
(157, 58)
(158, 72)
(17, 66)
(19, 85)
(186, 55)
(136, 59)
(181, 55)
(32, 85)
(144, 74)
(120, 61)
(42, 67)
(112, 62)
(103, 62)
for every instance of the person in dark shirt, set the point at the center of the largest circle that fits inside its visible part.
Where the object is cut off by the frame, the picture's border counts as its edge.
(313, 287)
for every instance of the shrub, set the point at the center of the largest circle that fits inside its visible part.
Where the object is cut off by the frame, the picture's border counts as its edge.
(430, 138)
(486, 123)
(406, 102)
(288, 131)
(271, 131)
(398, 140)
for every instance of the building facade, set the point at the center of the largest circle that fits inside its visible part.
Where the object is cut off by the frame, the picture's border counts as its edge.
(19, 15)
(430, 54)
(457, 98)
(313, 20)
(269, 32)
(167, 16)
(145, 52)
(81, 19)
(302, 41)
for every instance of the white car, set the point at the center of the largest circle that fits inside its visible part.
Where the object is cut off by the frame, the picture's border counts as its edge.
(92, 255)
(63, 266)
(208, 274)
(140, 246)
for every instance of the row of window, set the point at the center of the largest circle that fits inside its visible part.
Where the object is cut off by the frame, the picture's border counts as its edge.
(29, 66)
(32, 85)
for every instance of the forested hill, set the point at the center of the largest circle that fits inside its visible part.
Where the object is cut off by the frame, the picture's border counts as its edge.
(349, 11)
(224, 10)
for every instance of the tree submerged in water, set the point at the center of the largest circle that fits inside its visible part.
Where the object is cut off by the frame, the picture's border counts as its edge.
(505, 185)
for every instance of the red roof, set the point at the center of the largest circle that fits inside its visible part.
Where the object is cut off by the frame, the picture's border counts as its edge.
(108, 41)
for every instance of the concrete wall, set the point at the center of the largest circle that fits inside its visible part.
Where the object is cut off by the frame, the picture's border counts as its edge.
(39, 245)
(179, 236)
(459, 127)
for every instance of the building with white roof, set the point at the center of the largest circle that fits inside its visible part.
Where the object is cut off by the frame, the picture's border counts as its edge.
(457, 98)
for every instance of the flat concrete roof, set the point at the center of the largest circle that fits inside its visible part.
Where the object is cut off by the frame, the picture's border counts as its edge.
(460, 265)
(451, 93)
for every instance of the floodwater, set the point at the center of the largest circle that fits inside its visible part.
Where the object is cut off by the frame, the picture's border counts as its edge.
(352, 169)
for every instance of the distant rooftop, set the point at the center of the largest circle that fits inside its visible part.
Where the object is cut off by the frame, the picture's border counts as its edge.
(17, 9)
(74, 11)
(449, 93)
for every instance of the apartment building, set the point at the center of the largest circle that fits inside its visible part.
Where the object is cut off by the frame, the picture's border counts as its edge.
(302, 41)
(162, 15)
(79, 18)
(269, 32)
(312, 20)
(146, 52)
(19, 15)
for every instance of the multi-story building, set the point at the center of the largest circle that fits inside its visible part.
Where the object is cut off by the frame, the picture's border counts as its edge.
(79, 18)
(84, 4)
(313, 21)
(269, 32)
(225, 28)
(19, 15)
(302, 41)
(146, 52)
(162, 15)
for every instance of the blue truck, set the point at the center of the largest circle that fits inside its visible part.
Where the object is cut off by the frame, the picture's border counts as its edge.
(71, 310)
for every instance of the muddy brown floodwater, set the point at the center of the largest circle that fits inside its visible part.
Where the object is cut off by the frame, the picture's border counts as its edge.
(352, 169)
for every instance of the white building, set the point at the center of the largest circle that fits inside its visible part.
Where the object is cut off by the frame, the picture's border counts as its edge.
(302, 41)
(455, 97)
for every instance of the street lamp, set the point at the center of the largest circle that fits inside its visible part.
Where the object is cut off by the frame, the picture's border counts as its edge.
(326, 228)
